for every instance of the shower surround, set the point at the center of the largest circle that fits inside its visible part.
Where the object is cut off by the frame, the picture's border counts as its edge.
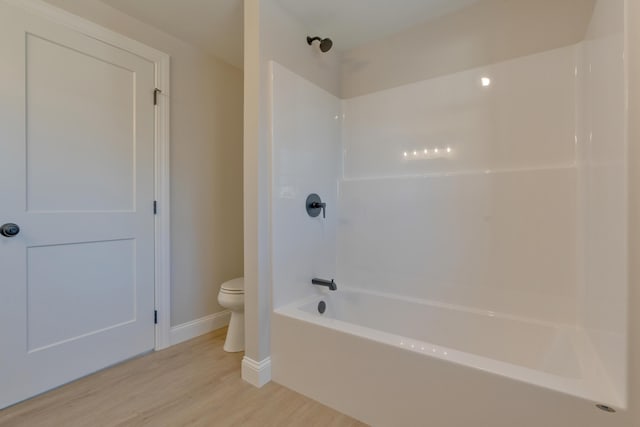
(476, 227)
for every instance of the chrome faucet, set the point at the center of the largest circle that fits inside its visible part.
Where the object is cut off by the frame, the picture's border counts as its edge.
(328, 283)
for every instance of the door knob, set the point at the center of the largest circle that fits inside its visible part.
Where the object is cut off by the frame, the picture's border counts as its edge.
(9, 229)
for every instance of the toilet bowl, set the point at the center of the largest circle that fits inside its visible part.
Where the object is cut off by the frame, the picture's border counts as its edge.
(231, 297)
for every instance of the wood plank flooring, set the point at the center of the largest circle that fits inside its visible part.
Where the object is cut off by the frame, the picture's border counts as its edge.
(191, 384)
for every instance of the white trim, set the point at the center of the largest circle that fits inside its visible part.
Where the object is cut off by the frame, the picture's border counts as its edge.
(256, 373)
(162, 227)
(163, 217)
(195, 328)
(88, 28)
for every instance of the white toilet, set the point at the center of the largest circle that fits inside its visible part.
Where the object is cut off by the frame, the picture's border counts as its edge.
(231, 296)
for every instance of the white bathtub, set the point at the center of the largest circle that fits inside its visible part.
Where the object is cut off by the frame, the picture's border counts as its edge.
(392, 361)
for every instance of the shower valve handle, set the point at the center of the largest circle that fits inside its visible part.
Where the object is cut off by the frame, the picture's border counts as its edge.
(314, 205)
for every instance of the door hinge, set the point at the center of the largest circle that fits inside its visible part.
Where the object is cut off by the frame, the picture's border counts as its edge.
(155, 317)
(156, 91)
(155, 207)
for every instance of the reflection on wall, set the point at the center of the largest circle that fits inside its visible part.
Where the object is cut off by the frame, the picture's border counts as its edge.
(428, 154)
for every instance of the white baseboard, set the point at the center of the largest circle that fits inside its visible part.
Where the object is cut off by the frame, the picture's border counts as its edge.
(198, 327)
(256, 373)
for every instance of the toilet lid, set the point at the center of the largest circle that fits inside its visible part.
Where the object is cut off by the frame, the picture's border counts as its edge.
(236, 285)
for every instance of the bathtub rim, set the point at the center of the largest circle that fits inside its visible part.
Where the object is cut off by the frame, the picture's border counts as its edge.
(596, 388)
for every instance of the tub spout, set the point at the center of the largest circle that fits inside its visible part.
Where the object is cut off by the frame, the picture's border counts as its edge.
(328, 283)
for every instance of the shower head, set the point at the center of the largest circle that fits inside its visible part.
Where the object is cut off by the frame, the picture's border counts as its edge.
(325, 44)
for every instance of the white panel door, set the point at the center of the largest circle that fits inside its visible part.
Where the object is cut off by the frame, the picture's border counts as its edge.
(76, 175)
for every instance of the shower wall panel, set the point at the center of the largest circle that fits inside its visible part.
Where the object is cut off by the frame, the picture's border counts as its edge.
(305, 133)
(462, 188)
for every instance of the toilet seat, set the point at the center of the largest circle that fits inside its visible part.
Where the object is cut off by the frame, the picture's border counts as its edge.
(234, 286)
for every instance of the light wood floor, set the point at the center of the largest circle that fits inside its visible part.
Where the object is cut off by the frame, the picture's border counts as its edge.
(192, 384)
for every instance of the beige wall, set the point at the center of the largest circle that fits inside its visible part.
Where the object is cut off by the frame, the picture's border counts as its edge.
(256, 246)
(487, 32)
(270, 34)
(283, 39)
(633, 52)
(206, 163)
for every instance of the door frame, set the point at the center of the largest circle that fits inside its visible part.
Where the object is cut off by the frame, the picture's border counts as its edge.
(161, 62)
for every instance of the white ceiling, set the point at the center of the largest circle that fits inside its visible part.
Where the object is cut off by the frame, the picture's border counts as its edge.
(216, 25)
